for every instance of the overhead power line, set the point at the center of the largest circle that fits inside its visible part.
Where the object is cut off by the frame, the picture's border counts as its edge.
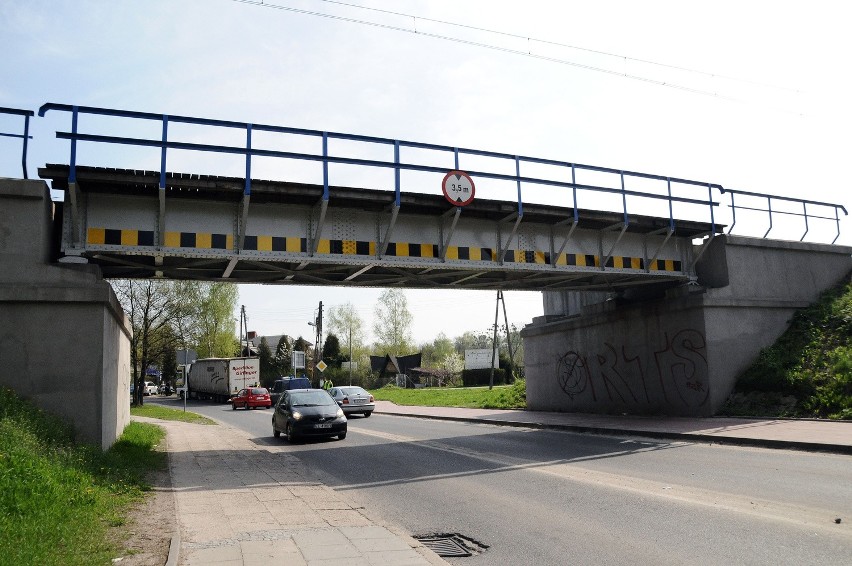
(565, 45)
(550, 59)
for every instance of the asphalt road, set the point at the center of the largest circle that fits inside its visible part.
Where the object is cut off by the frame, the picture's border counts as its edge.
(551, 497)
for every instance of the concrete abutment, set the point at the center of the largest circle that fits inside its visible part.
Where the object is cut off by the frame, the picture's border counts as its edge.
(678, 355)
(64, 338)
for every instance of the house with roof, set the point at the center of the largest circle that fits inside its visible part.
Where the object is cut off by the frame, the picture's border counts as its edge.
(391, 366)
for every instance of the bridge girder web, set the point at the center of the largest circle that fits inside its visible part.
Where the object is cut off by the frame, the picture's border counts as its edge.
(293, 234)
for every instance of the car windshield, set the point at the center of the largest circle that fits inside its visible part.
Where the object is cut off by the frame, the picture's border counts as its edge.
(258, 391)
(316, 398)
(352, 391)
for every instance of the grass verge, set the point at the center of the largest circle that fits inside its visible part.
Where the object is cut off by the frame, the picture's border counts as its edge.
(169, 414)
(500, 397)
(58, 497)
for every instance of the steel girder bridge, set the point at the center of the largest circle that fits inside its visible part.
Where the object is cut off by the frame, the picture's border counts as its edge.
(140, 224)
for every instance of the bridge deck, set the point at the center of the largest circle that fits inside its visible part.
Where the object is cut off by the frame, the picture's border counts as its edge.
(203, 227)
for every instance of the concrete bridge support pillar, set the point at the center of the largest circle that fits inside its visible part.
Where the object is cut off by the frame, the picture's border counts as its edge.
(682, 354)
(64, 339)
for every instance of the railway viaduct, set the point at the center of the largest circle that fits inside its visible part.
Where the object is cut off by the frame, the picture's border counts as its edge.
(645, 312)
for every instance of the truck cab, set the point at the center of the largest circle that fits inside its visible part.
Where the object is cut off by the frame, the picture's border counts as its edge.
(180, 380)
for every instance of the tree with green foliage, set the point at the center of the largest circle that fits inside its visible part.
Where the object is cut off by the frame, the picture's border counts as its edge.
(344, 322)
(472, 341)
(216, 336)
(440, 348)
(268, 371)
(168, 363)
(282, 359)
(150, 305)
(392, 324)
(331, 351)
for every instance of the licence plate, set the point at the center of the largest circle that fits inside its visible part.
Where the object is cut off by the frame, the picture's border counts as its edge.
(323, 425)
(360, 401)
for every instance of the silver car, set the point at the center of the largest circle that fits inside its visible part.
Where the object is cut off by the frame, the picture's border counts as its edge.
(353, 400)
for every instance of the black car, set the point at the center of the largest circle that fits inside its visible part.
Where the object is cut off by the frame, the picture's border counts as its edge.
(285, 384)
(308, 413)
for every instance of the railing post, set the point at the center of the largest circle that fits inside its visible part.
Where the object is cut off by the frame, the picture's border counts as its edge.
(671, 210)
(769, 210)
(325, 165)
(574, 189)
(161, 232)
(518, 178)
(396, 171)
(72, 173)
(165, 141)
(26, 137)
(247, 190)
(733, 214)
(712, 212)
(837, 219)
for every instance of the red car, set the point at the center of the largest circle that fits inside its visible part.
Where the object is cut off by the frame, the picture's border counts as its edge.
(251, 398)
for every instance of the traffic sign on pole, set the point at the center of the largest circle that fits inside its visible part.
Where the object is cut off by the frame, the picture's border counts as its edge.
(458, 188)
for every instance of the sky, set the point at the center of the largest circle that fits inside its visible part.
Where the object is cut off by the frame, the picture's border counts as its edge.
(750, 95)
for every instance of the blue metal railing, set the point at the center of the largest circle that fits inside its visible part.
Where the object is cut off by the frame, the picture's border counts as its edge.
(770, 198)
(397, 165)
(164, 143)
(25, 136)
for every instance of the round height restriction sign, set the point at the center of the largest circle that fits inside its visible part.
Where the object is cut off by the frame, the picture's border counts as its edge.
(458, 188)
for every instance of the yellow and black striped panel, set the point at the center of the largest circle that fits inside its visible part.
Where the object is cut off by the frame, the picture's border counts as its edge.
(109, 237)
(275, 244)
(100, 236)
(199, 240)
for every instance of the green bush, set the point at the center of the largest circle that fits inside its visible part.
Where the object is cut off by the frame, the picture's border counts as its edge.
(810, 363)
(480, 377)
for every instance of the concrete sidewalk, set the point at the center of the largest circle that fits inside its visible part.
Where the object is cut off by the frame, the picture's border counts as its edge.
(244, 503)
(798, 434)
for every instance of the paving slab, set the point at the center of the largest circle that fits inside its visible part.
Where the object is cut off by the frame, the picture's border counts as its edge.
(241, 503)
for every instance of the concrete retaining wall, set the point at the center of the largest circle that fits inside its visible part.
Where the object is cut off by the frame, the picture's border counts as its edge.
(64, 339)
(680, 355)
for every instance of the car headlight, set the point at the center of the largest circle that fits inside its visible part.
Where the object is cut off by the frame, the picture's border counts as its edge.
(339, 413)
(297, 416)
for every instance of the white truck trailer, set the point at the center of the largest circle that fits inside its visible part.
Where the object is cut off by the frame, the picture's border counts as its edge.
(219, 378)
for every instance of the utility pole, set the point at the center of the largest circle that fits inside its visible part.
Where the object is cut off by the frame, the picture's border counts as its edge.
(494, 343)
(318, 346)
(243, 325)
(508, 337)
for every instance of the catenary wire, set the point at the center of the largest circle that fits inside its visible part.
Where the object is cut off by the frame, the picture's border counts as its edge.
(565, 45)
(672, 85)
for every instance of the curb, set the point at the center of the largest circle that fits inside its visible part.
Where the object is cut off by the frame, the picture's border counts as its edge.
(174, 549)
(842, 449)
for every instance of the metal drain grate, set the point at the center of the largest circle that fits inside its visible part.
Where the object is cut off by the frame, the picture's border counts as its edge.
(452, 545)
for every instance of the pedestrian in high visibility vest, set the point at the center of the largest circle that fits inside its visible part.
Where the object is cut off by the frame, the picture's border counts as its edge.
(327, 384)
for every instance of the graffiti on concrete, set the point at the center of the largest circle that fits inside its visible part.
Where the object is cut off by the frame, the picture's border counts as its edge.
(619, 374)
